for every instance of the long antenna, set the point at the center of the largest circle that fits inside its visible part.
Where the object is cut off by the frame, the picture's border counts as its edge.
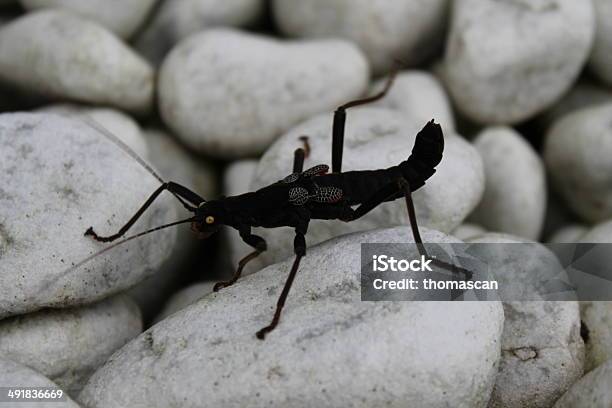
(88, 120)
(123, 241)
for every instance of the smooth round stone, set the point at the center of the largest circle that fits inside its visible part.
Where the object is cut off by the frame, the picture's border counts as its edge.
(594, 390)
(577, 153)
(443, 203)
(467, 231)
(406, 29)
(420, 95)
(116, 122)
(599, 233)
(600, 61)
(228, 93)
(597, 320)
(185, 297)
(121, 17)
(542, 351)
(326, 333)
(82, 61)
(15, 375)
(58, 177)
(174, 163)
(525, 67)
(568, 234)
(514, 199)
(177, 19)
(595, 285)
(68, 345)
(583, 94)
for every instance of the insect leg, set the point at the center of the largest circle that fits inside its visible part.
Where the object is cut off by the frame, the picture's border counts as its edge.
(256, 242)
(299, 246)
(340, 120)
(405, 186)
(300, 154)
(182, 193)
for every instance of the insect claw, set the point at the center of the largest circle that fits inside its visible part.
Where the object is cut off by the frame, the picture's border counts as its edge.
(261, 334)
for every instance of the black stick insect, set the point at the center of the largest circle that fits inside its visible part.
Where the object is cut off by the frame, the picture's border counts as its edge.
(302, 196)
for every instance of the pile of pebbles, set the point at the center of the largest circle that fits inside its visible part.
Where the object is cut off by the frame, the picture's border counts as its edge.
(215, 95)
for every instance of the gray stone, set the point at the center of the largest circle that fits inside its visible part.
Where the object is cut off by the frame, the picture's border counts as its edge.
(568, 234)
(121, 17)
(542, 351)
(228, 93)
(583, 94)
(58, 177)
(177, 19)
(116, 122)
(68, 345)
(526, 66)
(514, 199)
(326, 352)
(406, 29)
(185, 297)
(577, 153)
(443, 203)
(597, 319)
(600, 61)
(420, 95)
(64, 56)
(16, 375)
(594, 390)
(467, 231)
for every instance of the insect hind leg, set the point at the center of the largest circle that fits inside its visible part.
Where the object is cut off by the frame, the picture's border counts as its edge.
(405, 187)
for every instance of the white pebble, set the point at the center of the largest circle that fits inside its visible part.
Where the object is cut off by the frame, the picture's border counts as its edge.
(568, 234)
(185, 297)
(64, 56)
(577, 153)
(326, 333)
(406, 29)
(594, 390)
(600, 61)
(539, 336)
(228, 93)
(68, 345)
(177, 19)
(529, 62)
(596, 317)
(18, 376)
(60, 176)
(121, 17)
(514, 199)
(420, 95)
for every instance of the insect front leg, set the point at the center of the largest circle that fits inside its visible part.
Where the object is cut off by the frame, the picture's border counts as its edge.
(183, 194)
(253, 240)
(299, 247)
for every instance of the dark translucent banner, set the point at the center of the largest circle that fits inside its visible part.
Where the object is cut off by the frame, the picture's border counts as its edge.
(479, 271)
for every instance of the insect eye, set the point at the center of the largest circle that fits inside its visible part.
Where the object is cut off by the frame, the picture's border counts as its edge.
(210, 219)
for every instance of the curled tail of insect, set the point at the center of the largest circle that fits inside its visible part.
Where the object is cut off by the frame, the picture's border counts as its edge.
(426, 155)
